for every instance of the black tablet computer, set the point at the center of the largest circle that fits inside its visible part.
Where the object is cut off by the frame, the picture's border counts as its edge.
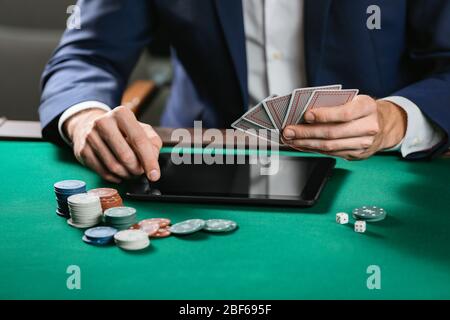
(280, 180)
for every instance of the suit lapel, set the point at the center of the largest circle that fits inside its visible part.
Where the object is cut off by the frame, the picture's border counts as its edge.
(232, 21)
(316, 17)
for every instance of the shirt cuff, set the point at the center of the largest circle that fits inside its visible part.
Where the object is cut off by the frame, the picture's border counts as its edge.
(75, 109)
(421, 133)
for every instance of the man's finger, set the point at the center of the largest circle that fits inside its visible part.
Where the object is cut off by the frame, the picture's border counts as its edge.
(156, 143)
(359, 107)
(335, 144)
(154, 139)
(140, 143)
(105, 155)
(91, 160)
(152, 135)
(111, 134)
(367, 126)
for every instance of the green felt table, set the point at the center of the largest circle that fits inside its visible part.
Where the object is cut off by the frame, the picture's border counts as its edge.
(277, 253)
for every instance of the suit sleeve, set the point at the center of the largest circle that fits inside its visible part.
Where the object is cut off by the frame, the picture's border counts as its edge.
(93, 63)
(429, 50)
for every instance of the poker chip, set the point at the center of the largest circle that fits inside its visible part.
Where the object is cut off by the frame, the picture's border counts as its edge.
(85, 210)
(109, 197)
(69, 185)
(150, 228)
(369, 213)
(187, 227)
(120, 218)
(163, 222)
(162, 233)
(100, 233)
(131, 239)
(78, 225)
(154, 227)
(99, 236)
(219, 225)
(96, 242)
(63, 190)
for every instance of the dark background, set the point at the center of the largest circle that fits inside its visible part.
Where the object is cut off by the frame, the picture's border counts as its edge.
(29, 32)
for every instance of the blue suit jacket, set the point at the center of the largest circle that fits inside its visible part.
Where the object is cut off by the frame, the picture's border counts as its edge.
(409, 56)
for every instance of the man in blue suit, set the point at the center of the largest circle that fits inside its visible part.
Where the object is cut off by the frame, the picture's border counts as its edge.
(229, 54)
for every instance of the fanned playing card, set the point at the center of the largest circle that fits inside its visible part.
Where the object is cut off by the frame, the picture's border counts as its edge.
(330, 98)
(298, 103)
(276, 109)
(270, 116)
(259, 116)
(255, 130)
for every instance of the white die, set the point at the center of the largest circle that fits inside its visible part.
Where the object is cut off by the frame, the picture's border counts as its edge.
(341, 218)
(360, 226)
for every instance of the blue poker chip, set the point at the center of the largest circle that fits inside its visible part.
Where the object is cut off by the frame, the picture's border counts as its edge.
(63, 190)
(66, 185)
(69, 190)
(67, 193)
(100, 233)
(97, 242)
(62, 213)
(63, 209)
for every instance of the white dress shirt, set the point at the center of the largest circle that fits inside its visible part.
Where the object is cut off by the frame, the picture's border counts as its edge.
(274, 33)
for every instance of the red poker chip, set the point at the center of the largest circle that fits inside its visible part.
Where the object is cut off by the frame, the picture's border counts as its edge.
(103, 192)
(163, 222)
(162, 233)
(148, 228)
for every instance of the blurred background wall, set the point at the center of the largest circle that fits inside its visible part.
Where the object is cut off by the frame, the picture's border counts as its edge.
(29, 32)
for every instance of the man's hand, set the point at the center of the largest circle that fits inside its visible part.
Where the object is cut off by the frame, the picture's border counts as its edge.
(114, 144)
(353, 131)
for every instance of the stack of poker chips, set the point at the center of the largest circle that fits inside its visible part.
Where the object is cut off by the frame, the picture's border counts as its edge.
(109, 197)
(65, 189)
(132, 239)
(120, 218)
(85, 210)
(99, 236)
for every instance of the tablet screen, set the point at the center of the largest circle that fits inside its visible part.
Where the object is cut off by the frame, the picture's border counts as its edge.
(247, 177)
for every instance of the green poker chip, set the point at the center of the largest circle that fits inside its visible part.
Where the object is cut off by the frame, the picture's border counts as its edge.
(369, 213)
(219, 225)
(187, 227)
(120, 217)
(120, 212)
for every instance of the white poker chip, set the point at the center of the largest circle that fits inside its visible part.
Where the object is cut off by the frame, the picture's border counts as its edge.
(85, 210)
(131, 239)
(80, 225)
(130, 236)
(83, 199)
(136, 246)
